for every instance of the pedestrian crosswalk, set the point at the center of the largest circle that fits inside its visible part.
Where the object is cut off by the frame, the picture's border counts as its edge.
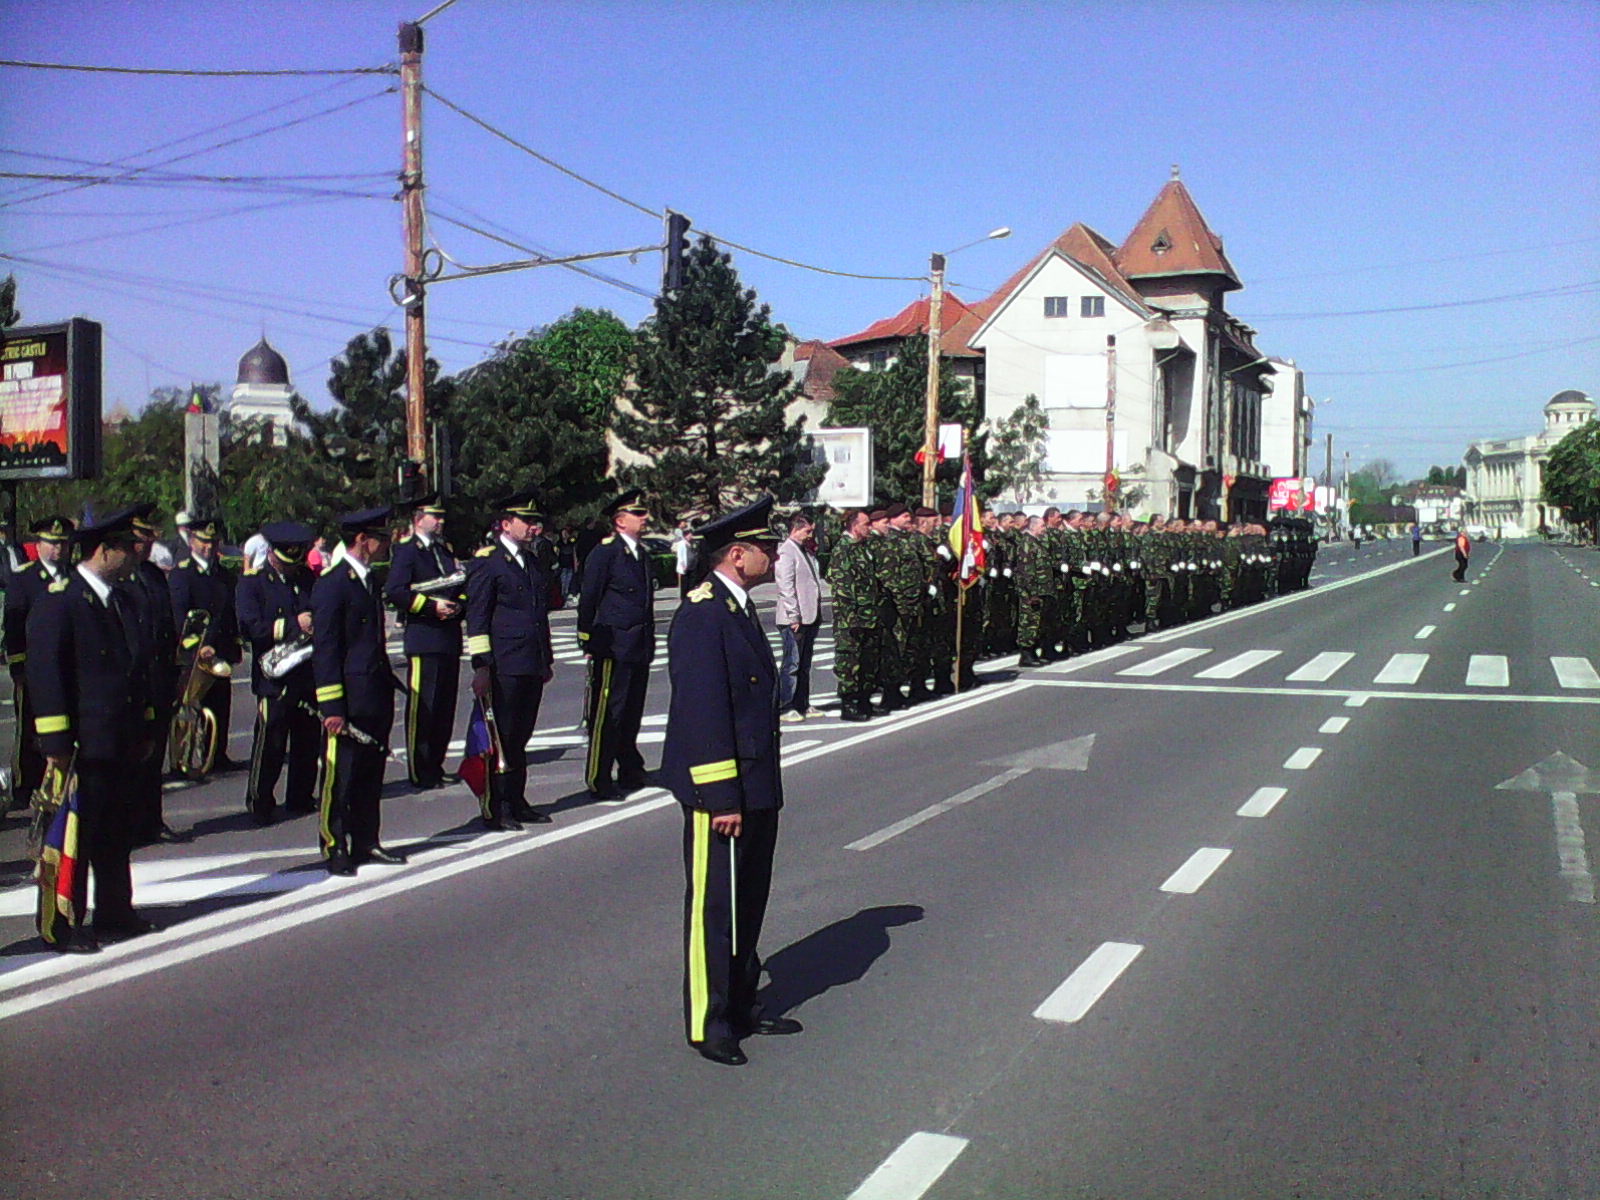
(1567, 672)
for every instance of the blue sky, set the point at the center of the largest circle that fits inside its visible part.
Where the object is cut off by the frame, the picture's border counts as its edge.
(1353, 156)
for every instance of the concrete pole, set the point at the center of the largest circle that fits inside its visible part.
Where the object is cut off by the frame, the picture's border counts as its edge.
(1108, 495)
(930, 440)
(411, 207)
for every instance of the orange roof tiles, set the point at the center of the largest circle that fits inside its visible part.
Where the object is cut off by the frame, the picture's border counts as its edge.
(958, 321)
(1172, 238)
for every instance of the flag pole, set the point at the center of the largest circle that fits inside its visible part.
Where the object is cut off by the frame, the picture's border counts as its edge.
(961, 609)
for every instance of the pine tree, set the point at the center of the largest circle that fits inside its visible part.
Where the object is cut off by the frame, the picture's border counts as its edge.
(708, 409)
(9, 313)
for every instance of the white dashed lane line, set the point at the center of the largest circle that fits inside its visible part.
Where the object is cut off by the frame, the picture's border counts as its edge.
(1083, 988)
(1262, 802)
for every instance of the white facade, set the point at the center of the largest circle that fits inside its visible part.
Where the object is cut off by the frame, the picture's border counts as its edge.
(262, 393)
(1286, 422)
(1505, 476)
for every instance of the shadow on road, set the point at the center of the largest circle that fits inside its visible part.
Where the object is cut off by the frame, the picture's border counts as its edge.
(833, 956)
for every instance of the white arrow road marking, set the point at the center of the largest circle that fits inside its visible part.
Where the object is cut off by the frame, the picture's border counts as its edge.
(912, 1169)
(1563, 777)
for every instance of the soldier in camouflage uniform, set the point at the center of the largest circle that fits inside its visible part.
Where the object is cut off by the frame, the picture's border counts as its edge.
(900, 575)
(999, 593)
(1036, 583)
(1157, 571)
(852, 576)
(1055, 620)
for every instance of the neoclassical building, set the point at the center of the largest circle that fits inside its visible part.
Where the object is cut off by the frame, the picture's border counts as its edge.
(1505, 476)
(263, 390)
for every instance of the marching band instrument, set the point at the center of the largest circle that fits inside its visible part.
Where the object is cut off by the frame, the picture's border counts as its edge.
(195, 739)
(494, 736)
(446, 587)
(286, 656)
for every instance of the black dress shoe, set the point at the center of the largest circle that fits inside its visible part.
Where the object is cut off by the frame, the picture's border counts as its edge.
(633, 783)
(340, 864)
(605, 793)
(726, 1053)
(854, 713)
(1030, 659)
(529, 815)
(776, 1026)
(431, 783)
(501, 824)
(123, 928)
(299, 810)
(379, 854)
(75, 943)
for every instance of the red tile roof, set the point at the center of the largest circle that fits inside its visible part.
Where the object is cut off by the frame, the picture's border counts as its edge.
(958, 321)
(823, 364)
(1172, 238)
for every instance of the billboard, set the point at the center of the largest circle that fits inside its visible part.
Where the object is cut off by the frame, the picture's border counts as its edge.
(847, 453)
(1292, 495)
(50, 401)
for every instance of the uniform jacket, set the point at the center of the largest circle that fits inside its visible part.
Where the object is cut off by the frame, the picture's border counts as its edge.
(348, 659)
(148, 587)
(617, 607)
(799, 583)
(211, 590)
(87, 672)
(508, 617)
(852, 572)
(269, 608)
(426, 631)
(27, 584)
(721, 751)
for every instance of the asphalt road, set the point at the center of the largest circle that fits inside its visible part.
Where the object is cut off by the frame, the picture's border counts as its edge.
(1235, 910)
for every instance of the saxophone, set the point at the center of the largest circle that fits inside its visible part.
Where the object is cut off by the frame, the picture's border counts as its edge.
(192, 749)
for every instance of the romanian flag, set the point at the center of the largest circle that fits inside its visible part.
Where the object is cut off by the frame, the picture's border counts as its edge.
(477, 756)
(966, 529)
(60, 872)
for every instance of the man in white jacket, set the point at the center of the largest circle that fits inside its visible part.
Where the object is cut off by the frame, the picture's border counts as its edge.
(798, 615)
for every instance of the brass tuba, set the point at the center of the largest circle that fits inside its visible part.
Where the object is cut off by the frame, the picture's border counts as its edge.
(192, 748)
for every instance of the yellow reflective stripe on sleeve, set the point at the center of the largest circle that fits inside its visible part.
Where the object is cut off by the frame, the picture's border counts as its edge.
(478, 643)
(715, 772)
(277, 630)
(331, 691)
(419, 602)
(699, 983)
(583, 637)
(52, 724)
(14, 659)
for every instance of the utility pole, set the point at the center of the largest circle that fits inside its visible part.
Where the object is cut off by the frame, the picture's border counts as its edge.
(411, 207)
(1108, 496)
(930, 441)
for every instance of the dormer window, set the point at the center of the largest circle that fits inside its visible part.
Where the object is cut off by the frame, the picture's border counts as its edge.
(1162, 244)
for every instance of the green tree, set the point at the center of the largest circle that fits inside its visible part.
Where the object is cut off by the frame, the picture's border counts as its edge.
(893, 403)
(9, 313)
(1572, 477)
(708, 407)
(592, 349)
(1016, 452)
(524, 418)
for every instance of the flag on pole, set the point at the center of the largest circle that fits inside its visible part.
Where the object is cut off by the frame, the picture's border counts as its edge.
(477, 756)
(966, 530)
(59, 871)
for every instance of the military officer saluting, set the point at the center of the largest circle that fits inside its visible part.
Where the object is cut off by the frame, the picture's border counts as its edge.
(508, 636)
(88, 670)
(200, 582)
(433, 620)
(617, 630)
(721, 763)
(54, 537)
(355, 692)
(274, 609)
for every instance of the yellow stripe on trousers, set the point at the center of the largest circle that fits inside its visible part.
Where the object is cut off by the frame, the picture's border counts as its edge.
(257, 750)
(699, 983)
(330, 763)
(597, 723)
(413, 710)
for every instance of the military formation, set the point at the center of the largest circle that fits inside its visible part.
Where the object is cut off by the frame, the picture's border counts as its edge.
(1050, 585)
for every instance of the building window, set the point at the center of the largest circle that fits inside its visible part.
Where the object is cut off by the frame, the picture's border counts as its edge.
(1056, 306)
(1092, 306)
(878, 360)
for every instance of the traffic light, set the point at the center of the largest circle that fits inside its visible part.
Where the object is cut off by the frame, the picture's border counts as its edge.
(675, 252)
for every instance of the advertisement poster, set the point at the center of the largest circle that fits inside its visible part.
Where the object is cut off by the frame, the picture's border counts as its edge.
(50, 401)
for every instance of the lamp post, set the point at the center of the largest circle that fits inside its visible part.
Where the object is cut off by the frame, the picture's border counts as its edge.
(930, 441)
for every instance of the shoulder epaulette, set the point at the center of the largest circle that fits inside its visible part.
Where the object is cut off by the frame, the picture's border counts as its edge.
(59, 585)
(606, 541)
(703, 592)
(185, 562)
(483, 552)
(404, 540)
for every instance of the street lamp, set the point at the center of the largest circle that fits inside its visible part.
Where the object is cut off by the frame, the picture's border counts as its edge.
(930, 441)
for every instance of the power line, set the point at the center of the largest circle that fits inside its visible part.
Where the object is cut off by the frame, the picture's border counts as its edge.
(528, 249)
(270, 184)
(213, 215)
(433, 12)
(386, 69)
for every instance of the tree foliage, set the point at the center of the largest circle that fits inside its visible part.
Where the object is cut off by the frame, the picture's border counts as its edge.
(893, 404)
(1448, 476)
(1016, 453)
(592, 349)
(1572, 477)
(708, 407)
(9, 313)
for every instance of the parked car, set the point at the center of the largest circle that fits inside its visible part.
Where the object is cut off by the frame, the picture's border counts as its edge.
(663, 562)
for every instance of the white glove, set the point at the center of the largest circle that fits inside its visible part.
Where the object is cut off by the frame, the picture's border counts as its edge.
(1087, 569)
(933, 589)
(1064, 568)
(994, 574)
(1117, 567)
(1096, 565)
(1006, 572)
(944, 551)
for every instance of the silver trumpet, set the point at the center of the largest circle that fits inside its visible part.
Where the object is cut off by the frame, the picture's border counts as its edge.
(286, 656)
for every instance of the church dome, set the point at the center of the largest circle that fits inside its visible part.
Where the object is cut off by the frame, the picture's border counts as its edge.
(263, 364)
(1569, 399)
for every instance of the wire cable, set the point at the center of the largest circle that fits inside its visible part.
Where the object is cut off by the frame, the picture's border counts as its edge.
(433, 12)
(213, 215)
(385, 69)
(579, 268)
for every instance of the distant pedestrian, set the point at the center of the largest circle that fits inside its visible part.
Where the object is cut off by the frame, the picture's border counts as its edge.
(799, 613)
(1463, 554)
(1416, 539)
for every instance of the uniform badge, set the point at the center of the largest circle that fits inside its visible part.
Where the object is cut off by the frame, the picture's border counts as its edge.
(703, 592)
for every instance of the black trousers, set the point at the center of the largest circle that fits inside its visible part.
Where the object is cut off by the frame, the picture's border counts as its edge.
(219, 700)
(516, 711)
(431, 682)
(147, 819)
(287, 727)
(616, 706)
(352, 781)
(1460, 573)
(27, 764)
(105, 840)
(727, 879)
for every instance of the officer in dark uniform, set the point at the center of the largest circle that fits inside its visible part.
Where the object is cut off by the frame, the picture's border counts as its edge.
(88, 672)
(508, 636)
(274, 608)
(721, 763)
(355, 691)
(148, 587)
(199, 581)
(617, 630)
(432, 641)
(54, 536)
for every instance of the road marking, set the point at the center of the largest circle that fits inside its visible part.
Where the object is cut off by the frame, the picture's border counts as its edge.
(1464, 592)
(1488, 670)
(1262, 802)
(1164, 662)
(1570, 849)
(933, 810)
(1425, 632)
(1575, 672)
(1321, 668)
(1302, 758)
(1236, 666)
(1451, 607)
(912, 1169)
(1078, 993)
(1357, 700)
(805, 744)
(1334, 725)
(1352, 699)
(1402, 668)
(1189, 878)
